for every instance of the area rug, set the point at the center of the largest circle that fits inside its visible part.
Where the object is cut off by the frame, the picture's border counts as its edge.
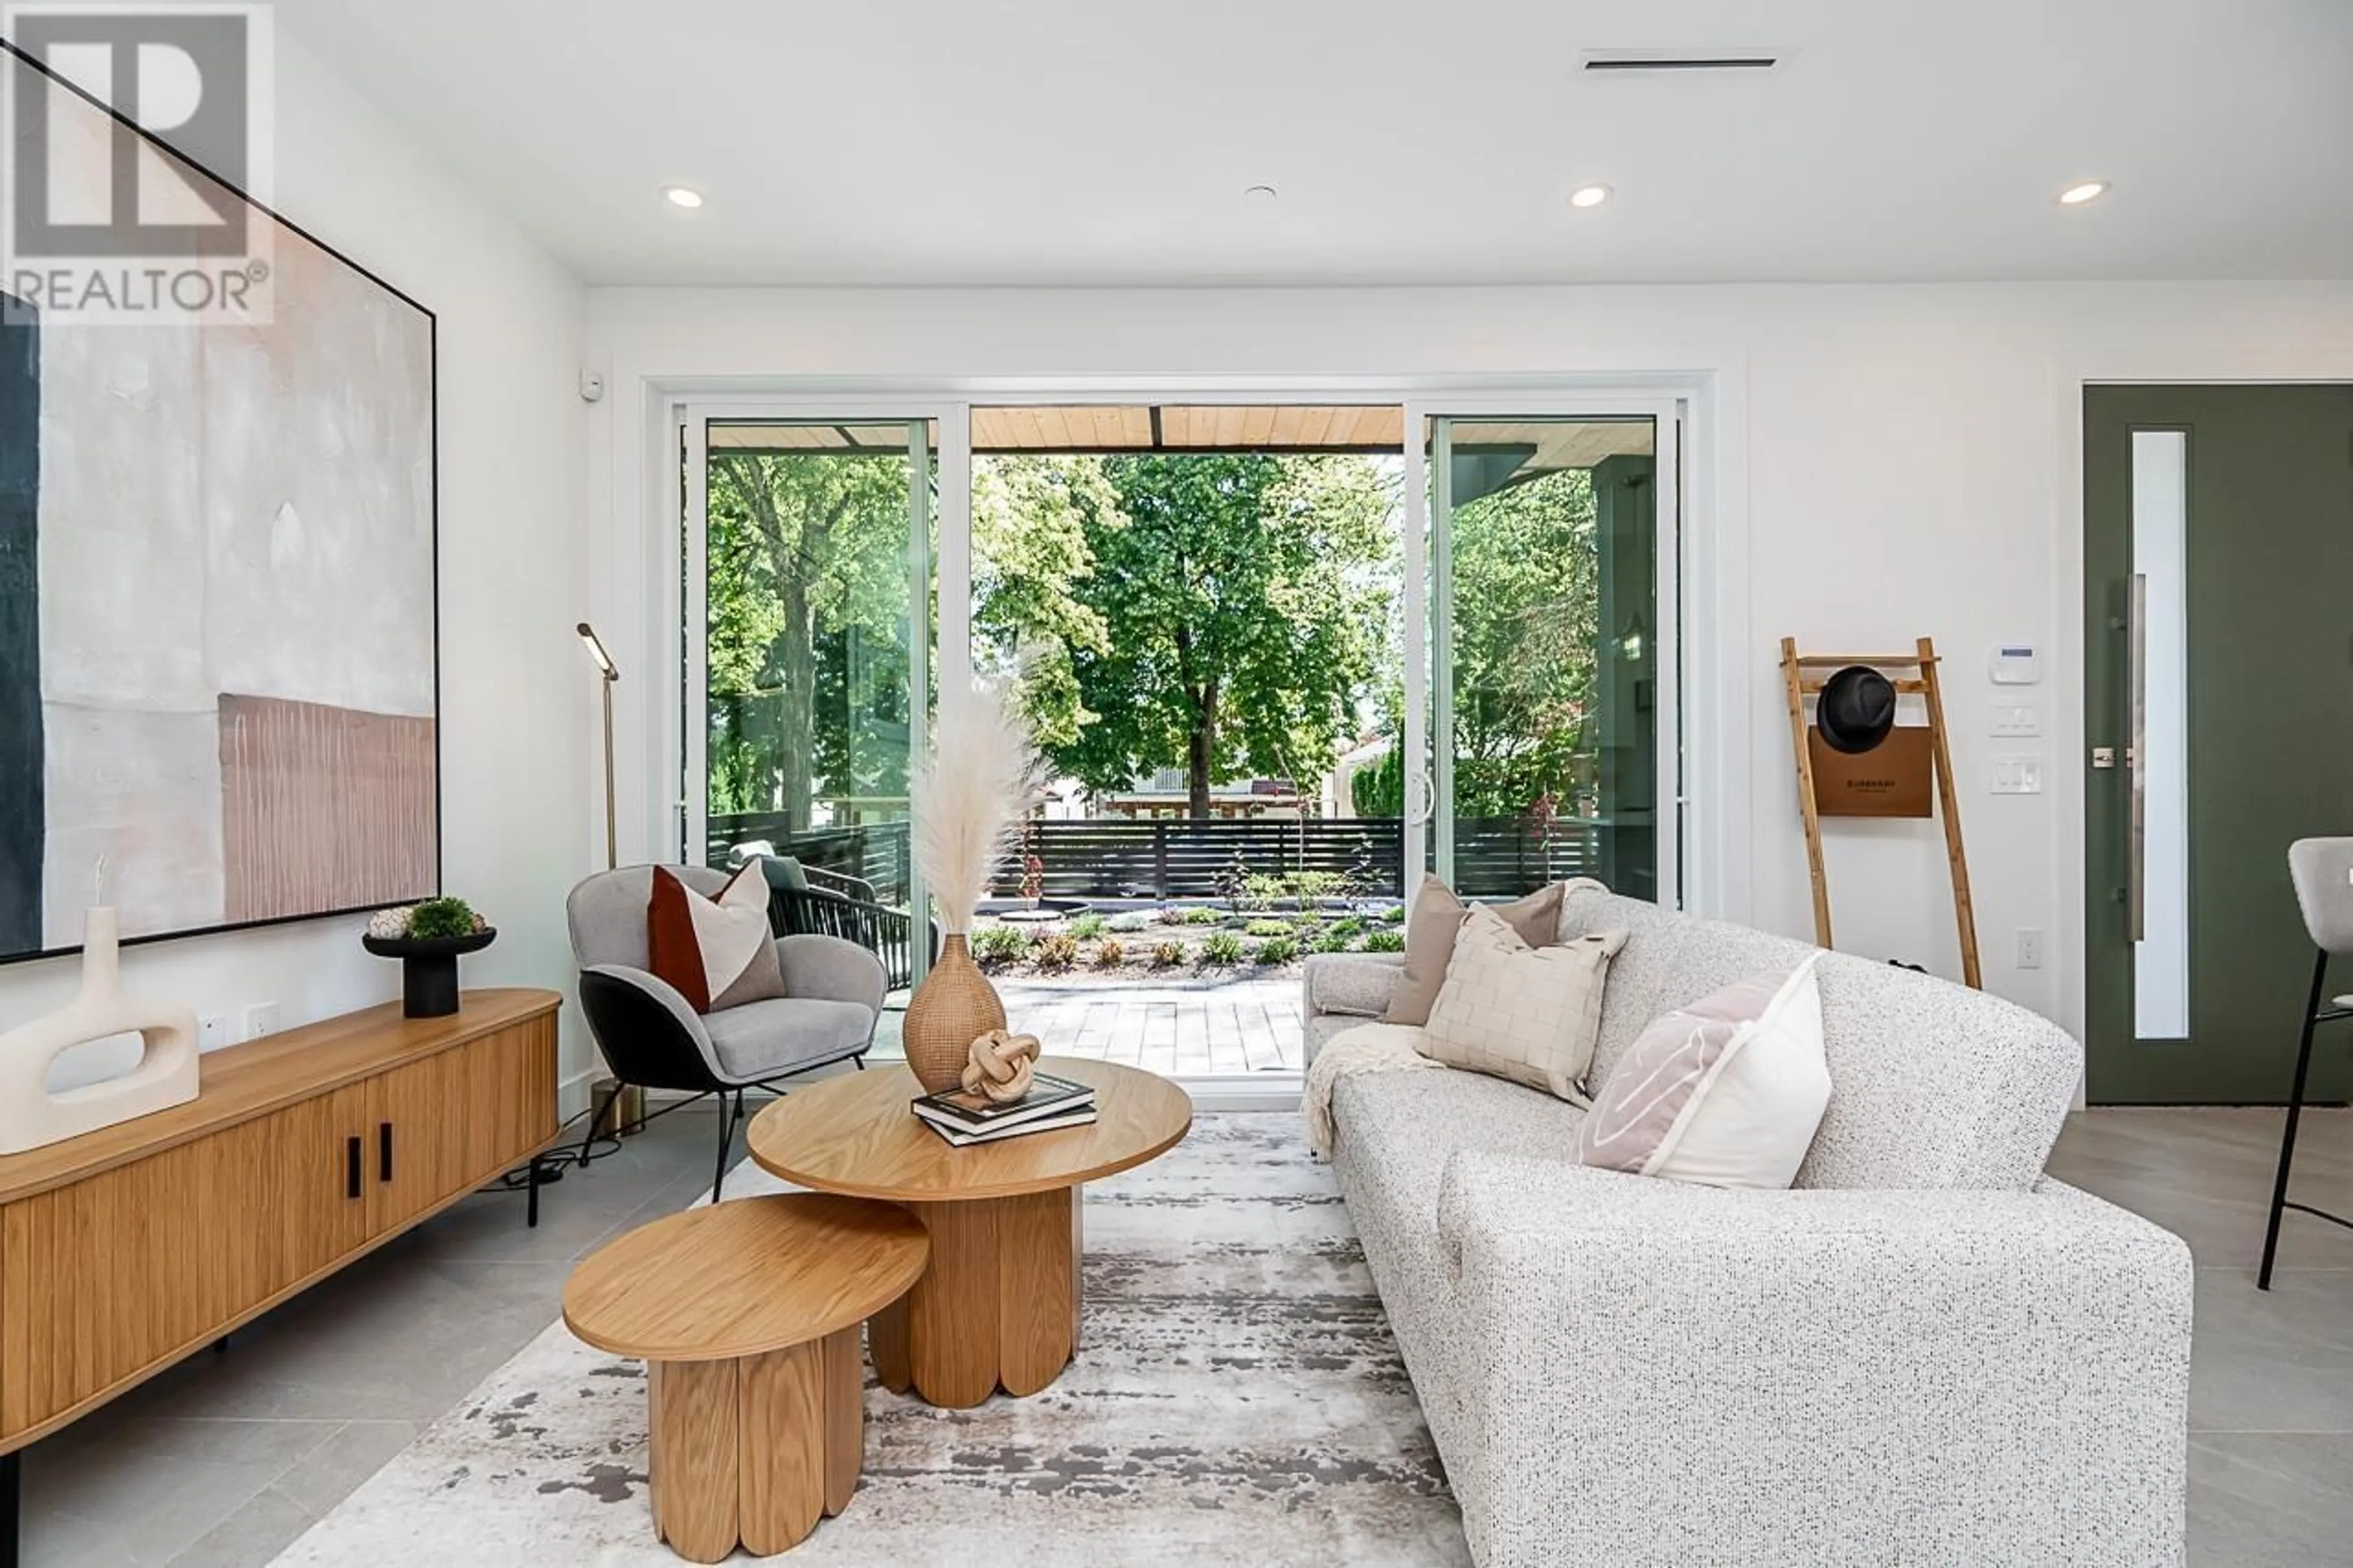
(1236, 1399)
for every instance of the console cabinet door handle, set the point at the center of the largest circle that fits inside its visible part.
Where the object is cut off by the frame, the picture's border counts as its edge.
(352, 1167)
(384, 1150)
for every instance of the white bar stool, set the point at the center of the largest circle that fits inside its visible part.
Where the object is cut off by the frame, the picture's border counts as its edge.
(2322, 870)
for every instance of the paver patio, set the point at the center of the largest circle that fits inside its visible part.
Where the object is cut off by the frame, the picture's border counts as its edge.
(1237, 1026)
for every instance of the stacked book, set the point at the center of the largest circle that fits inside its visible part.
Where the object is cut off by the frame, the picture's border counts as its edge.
(964, 1118)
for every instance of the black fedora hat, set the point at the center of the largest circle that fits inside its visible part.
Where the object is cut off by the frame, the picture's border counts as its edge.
(1857, 708)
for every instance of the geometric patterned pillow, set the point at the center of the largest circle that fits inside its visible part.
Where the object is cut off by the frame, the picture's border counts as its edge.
(1513, 1011)
(719, 952)
(1727, 1091)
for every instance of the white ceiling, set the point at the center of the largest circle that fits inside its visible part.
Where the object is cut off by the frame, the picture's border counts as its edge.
(1109, 141)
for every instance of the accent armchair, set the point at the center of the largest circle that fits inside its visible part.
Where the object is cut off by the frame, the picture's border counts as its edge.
(652, 1038)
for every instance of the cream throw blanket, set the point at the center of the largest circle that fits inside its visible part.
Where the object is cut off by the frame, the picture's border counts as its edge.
(1368, 1047)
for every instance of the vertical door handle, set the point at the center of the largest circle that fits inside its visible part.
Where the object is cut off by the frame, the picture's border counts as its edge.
(384, 1150)
(2136, 759)
(352, 1167)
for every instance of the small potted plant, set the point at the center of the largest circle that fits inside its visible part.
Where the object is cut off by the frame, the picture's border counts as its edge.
(427, 938)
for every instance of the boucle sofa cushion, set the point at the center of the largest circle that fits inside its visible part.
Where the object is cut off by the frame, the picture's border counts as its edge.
(1398, 1132)
(1429, 934)
(1932, 1085)
(1524, 1014)
(1725, 1091)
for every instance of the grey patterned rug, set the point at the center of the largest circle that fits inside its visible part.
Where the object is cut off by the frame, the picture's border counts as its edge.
(1236, 1400)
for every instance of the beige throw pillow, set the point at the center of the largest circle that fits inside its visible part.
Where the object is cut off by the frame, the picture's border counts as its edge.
(1726, 1092)
(1430, 940)
(1513, 1011)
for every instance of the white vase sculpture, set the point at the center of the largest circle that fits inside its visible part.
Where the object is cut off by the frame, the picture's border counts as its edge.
(31, 1115)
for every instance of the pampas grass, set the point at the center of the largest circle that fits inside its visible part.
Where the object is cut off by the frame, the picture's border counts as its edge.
(969, 797)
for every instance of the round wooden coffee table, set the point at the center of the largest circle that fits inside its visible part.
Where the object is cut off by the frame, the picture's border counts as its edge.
(997, 1306)
(747, 1315)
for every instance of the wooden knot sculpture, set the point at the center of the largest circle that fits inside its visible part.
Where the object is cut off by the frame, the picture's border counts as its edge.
(1001, 1065)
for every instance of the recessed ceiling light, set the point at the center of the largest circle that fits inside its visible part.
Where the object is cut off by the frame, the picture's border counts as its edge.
(1589, 195)
(1259, 193)
(2075, 195)
(683, 196)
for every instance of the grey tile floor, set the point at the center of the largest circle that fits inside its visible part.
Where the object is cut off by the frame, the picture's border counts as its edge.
(224, 1459)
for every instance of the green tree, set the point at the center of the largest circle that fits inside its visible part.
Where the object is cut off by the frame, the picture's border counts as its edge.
(807, 619)
(1030, 547)
(1526, 599)
(1242, 595)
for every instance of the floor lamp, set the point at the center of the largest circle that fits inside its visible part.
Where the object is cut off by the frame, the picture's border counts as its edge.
(629, 1114)
(589, 640)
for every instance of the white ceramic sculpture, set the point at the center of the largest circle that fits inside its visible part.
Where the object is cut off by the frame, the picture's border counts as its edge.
(31, 1115)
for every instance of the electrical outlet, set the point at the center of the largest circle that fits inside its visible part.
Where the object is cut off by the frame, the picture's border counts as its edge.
(260, 1018)
(2030, 948)
(212, 1033)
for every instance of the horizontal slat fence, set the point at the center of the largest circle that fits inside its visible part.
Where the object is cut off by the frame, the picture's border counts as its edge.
(1116, 858)
(1112, 858)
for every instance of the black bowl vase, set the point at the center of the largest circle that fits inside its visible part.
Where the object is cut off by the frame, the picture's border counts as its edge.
(428, 968)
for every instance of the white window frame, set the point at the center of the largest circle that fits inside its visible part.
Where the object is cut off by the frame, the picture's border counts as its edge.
(1694, 868)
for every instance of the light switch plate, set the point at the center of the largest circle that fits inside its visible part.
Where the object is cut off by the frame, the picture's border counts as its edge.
(2017, 719)
(2017, 775)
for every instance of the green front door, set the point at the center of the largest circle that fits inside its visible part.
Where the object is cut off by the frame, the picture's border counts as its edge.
(2218, 577)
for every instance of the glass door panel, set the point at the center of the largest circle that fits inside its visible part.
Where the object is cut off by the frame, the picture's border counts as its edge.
(811, 584)
(1545, 645)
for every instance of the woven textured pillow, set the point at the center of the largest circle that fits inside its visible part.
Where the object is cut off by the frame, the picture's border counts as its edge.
(1725, 1092)
(1430, 936)
(1513, 1011)
(718, 952)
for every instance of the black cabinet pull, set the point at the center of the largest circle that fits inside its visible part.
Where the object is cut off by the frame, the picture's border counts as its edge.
(352, 1167)
(384, 1150)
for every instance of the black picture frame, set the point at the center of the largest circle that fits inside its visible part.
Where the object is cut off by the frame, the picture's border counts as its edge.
(10, 54)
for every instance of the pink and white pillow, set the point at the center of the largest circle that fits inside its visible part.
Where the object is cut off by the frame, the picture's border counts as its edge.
(1727, 1091)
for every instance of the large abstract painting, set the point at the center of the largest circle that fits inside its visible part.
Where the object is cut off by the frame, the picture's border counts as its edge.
(217, 677)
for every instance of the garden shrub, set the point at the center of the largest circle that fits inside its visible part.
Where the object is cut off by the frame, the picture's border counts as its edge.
(1058, 950)
(1276, 950)
(1168, 955)
(1111, 954)
(995, 946)
(1267, 928)
(1202, 917)
(1385, 941)
(1087, 927)
(1223, 949)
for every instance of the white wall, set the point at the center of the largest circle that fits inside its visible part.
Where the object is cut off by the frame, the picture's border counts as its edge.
(1888, 462)
(515, 690)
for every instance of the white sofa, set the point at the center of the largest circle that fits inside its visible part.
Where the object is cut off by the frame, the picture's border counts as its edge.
(1926, 1352)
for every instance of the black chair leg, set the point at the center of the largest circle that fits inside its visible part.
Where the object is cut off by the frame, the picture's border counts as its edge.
(735, 1112)
(2295, 1112)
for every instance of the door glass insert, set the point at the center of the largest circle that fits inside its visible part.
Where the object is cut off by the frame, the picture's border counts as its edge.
(1545, 650)
(817, 612)
(2160, 484)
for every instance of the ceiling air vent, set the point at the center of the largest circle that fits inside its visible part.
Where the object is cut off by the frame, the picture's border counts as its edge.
(1651, 62)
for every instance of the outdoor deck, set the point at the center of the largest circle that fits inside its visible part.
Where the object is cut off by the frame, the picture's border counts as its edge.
(1178, 1028)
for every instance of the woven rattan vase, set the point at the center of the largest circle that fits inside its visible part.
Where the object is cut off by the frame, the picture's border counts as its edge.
(953, 1006)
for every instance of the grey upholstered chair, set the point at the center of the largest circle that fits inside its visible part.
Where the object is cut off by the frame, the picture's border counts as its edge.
(2322, 871)
(652, 1038)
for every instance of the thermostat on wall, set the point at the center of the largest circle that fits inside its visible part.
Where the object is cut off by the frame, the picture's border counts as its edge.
(2016, 664)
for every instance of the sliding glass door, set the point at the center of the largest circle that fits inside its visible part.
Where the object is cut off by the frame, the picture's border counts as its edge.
(808, 576)
(1545, 643)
